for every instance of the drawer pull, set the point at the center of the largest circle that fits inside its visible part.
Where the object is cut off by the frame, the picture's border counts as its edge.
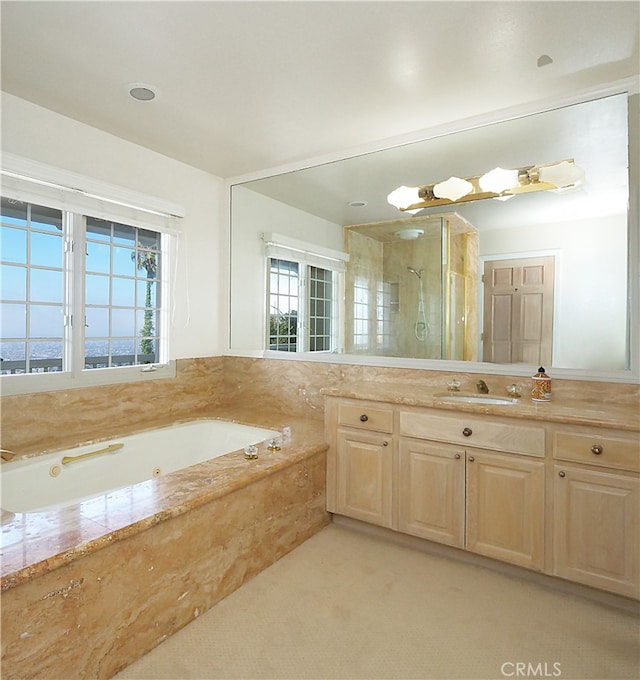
(471, 459)
(385, 443)
(364, 417)
(457, 456)
(561, 473)
(467, 432)
(597, 449)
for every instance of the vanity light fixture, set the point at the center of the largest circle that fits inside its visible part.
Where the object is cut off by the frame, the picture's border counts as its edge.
(497, 183)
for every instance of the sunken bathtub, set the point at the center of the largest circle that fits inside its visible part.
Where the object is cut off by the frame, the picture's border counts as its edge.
(93, 578)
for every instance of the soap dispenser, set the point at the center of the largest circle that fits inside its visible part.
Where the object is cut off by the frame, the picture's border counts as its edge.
(541, 390)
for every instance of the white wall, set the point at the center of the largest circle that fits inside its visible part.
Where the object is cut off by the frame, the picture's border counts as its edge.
(590, 309)
(200, 320)
(251, 215)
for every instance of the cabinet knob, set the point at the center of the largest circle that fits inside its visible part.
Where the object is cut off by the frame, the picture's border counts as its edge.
(471, 459)
(385, 443)
(467, 432)
(562, 473)
(457, 456)
(597, 449)
(364, 418)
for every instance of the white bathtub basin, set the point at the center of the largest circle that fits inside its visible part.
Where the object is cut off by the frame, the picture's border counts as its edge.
(476, 399)
(46, 482)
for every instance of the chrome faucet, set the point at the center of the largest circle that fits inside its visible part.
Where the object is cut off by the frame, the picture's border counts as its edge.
(7, 455)
(482, 387)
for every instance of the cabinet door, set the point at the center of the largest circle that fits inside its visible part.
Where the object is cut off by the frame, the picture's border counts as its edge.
(505, 508)
(364, 466)
(431, 491)
(595, 528)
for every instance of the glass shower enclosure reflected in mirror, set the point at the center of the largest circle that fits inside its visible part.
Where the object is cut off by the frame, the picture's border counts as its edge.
(411, 288)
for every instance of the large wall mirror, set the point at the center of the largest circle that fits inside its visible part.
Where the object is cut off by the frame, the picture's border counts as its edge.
(421, 286)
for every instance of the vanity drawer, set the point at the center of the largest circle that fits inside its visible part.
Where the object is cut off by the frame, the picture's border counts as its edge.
(474, 431)
(366, 415)
(597, 448)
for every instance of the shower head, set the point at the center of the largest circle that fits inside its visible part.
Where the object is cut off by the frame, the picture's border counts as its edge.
(416, 272)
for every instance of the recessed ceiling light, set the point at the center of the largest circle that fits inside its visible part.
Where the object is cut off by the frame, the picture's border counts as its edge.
(357, 204)
(142, 92)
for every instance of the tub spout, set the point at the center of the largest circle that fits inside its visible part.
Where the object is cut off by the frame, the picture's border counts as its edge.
(7, 455)
(482, 386)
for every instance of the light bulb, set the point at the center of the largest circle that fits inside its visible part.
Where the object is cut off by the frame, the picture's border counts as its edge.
(498, 180)
(562, 174)
(454, 188)
(403, 197)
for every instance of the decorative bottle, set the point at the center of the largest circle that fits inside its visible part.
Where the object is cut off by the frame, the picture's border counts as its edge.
(541, 390)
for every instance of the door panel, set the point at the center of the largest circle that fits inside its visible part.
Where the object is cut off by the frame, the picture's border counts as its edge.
(431, 502)
(505, 508)
(518, 310)
(364, 470)
(596, 526)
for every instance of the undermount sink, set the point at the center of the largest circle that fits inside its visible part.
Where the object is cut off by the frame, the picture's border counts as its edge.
(477, 399)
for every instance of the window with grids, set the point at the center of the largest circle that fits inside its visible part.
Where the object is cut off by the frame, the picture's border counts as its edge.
(383, 315)
(360, 313)
(122, 294)
(32, 288)
(283, 304)
(77, 292)
(302, 307)
(320, 309)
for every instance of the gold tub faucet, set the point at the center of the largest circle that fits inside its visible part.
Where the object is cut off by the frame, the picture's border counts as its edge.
(7, 455)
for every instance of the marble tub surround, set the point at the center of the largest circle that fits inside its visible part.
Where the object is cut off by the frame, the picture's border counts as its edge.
(89, 589)
(562, 409)
(39, 542)
(48, 421)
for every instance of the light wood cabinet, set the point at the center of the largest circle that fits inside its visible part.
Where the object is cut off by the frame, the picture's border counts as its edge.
(505, 508)
(559, 498)
(596, 509)
(431, 491)
(489, 503)
(496, 434)
(361, 460)
(364, 476)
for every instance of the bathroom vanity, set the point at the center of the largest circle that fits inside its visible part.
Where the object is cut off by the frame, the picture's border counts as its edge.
(553, 488)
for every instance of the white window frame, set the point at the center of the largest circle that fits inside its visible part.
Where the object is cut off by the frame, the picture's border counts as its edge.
(307, 255)
(78, 196)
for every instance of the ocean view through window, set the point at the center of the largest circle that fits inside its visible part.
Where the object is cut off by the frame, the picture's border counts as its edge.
(78, 292)
(122, 294)
(32, 287)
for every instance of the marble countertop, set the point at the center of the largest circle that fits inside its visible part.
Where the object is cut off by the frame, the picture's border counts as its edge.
(558, 410)
(38, 542)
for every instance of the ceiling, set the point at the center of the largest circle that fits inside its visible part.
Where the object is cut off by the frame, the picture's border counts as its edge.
(246, 86)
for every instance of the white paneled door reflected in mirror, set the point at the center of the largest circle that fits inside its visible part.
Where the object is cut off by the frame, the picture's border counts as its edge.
(539, 278)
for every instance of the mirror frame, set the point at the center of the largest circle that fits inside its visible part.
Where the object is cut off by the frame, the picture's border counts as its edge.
(628, 86)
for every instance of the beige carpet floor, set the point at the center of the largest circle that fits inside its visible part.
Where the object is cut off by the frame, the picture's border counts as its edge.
(350, 606)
